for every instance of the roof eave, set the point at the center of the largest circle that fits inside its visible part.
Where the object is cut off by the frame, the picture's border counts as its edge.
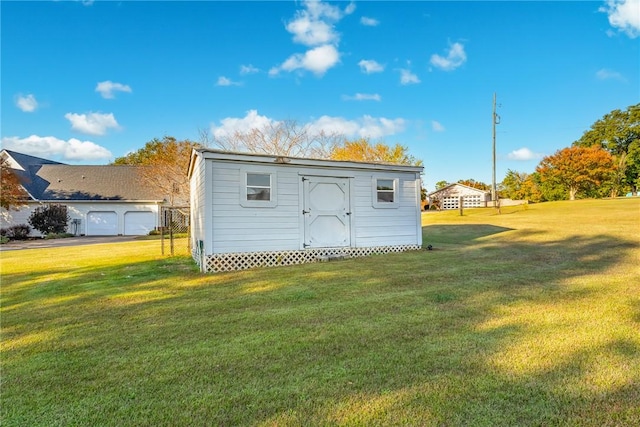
(298, 161)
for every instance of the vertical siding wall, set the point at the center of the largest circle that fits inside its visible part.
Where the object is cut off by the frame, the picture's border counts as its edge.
(235, 228)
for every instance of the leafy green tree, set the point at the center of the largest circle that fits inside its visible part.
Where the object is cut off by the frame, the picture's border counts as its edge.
(618, 132)
(549, 190)
(441, 184)
(166, 162)
(632, 171)
(520, 186)
(575, 171)
(50, 218)
(512, 186)
(363, 150)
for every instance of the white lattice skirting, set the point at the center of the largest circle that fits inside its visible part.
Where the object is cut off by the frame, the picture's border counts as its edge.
(243, 261)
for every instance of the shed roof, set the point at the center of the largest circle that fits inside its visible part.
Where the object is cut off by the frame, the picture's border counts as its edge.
(209, 153)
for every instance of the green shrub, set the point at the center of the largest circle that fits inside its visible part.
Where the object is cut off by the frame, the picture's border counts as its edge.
(50, 219)
(16, 232)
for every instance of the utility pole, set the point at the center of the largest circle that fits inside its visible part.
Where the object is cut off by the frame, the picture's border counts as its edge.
(495, 120)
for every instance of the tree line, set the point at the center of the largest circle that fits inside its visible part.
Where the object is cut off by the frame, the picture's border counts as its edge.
(166, 160)
(604, 162)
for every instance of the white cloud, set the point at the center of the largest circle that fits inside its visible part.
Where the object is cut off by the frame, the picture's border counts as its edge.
(407, 77)
(52, 147)
(231, 125)
(456, 56)
(369, 22)
(27, 103)
(624, 15)
(312, 33)
(365, 126)
(248, 69)
(317, 60)
(523, 154)
(605, 74)
(437, 126)
(92, 123)
(313, 25)
(362, 97)
(334, 125)
(370, 66)
(224, 81)
(351, 7)
(107, 89)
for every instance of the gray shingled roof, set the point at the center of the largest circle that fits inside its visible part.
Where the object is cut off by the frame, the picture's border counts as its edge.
(65, 182)
(26, 160)
(48, 180)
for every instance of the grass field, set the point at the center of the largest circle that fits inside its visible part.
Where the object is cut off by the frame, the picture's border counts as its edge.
(531, 317)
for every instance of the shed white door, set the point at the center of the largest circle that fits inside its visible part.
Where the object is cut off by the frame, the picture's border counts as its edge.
(139, 223)
(102, 224)
(327, 212)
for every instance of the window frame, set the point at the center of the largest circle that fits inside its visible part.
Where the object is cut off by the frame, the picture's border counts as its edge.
(273, 190)
(396, 192)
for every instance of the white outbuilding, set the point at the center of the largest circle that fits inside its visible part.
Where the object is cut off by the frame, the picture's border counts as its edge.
(250, 210)
(105, 200)
(449, 197)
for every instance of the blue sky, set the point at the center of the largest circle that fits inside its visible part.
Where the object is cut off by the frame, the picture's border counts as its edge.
(85, 82)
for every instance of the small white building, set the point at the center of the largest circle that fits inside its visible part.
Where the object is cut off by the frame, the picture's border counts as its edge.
(449, 197)
(101, 200)
(252, 210)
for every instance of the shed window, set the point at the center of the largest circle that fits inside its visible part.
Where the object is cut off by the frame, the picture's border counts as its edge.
(258, 189)
(258, 186)
(385, 192)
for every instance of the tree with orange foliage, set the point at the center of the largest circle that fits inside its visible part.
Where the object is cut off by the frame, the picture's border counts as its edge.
(475, 184)
(12, 194)
(576, 169)
(618, 132)
(166, 162)
(364, 151)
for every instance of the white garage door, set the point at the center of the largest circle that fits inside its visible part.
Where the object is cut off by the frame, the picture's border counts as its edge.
(139, 223)
(102, 224)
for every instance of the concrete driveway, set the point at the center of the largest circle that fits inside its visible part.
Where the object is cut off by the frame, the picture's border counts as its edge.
(69, 241)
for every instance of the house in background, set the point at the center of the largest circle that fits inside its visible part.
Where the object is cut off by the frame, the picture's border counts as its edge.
(101, 200)
(449, 197)
(252, 210)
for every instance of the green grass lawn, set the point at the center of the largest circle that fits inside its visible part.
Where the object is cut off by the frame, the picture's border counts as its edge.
(531, 317)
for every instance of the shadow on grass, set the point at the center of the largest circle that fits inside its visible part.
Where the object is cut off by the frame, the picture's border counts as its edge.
(491, 332)
(459, 233)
